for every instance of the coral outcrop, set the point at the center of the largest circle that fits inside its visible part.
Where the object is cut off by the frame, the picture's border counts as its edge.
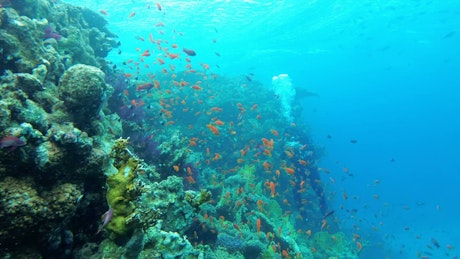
(47, 83)
(84, 91)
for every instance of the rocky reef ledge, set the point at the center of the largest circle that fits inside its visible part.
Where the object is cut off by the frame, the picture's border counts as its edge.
(54, 127)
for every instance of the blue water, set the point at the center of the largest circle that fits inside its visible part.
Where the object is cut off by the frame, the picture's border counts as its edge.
(387, 75)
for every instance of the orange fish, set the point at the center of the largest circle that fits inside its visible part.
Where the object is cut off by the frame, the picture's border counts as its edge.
(176, 168)
(285, 254)
(213, 129)
(267, 152)
(217, 156)
(190, 179)
(161, 61)
(236, 227)
(274, 132)
(359, 246)
(104, 12)
(272, 189)
(131, 15)
(289, 170)
(219, 122)
(259, 205)
(258, 226)
(173, 56)
(197, 87)
(266, 165)
(159, 7)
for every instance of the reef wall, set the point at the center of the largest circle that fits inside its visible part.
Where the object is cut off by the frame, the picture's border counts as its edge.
(77, 140)
(55, 146)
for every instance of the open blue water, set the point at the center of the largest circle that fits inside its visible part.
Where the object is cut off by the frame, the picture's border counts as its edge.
(388, 76)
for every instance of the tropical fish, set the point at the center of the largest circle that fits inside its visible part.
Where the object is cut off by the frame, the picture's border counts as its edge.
(107, 217)
(12, 142)
(435, 242)
(189, 52)
(258, 226)
(328, 214)
(272, 189)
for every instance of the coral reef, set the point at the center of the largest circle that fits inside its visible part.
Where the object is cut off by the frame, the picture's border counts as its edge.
(83, 90)
(234, 187)
(56, 177)
(122, 191)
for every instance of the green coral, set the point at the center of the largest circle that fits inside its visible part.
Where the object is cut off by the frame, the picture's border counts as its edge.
(329, 245)
(122, 190)
(196, 200)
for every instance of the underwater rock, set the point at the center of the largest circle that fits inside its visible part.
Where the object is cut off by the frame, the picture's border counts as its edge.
(28, 83)
(83, 90)
(167, 245)
(21, 205)
(27, 210)
(165, 200)
(32, 8)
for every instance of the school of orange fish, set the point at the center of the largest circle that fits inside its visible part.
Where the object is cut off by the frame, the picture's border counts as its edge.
(227, 130)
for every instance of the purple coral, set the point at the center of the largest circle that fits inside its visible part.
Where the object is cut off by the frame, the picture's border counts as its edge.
(50, 33)
(131, 113)
(145, 146)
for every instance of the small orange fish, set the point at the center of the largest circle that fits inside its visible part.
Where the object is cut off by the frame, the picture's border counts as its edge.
(190, 179)
(197, 87)
(131, 15)
(236, 227)
(161, 61)
(359, 246)
(289, 170)
(176, 168)
(266, 165)
(159, 7)
(302, 162)
(272, 189)
(213, 129)
(217, 156)
(104, 12)
(258, 226)
(173, 56)
(259, 205)
(219, 122)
